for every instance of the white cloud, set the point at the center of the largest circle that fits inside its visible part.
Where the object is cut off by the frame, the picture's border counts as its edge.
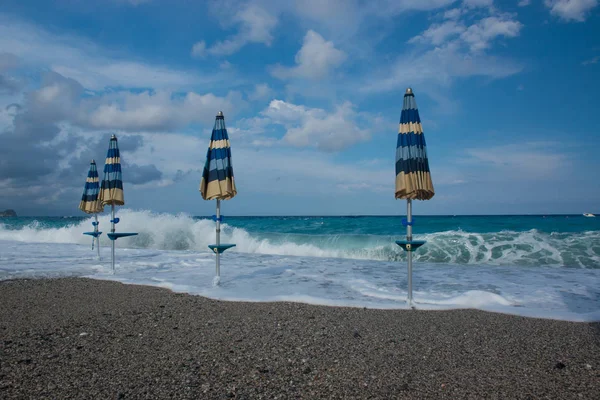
(395, 7)
(438, 67)
(478, 3)
(255, 26)
(156, 111)
(451, 50)
(524, 3)
(82, 60)
(479, 35)
(298, 169)
(453, 13)
(593, 60)
(571, 10)
(260, 92)
(199, 49)
(60, 99)
(315, 59)
(313, 127)
(437, 34)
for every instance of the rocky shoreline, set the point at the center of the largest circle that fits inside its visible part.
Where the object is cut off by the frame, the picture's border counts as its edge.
(82, 338)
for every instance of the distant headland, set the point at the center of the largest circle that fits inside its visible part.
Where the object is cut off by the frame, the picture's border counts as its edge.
(8, 213)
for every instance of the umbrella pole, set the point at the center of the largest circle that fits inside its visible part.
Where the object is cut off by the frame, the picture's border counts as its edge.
(218, 271)
(112, 229)
(97, 238)
(409, 256)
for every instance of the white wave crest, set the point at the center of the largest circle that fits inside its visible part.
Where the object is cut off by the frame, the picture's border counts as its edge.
(183, 232)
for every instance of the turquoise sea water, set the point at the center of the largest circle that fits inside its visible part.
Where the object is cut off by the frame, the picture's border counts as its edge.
(558, 240)
(539, 265)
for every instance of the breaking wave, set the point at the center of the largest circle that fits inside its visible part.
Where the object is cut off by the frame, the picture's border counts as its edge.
(183, 232)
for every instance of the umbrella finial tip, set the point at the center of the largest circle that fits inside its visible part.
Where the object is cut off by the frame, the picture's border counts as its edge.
(113, 136)
(93, 161)
(409, 91)
(220, 114)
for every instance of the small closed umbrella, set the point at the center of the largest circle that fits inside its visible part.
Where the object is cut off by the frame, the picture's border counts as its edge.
(91, 204)
(217, 181)
(111, 191)
(413, 179)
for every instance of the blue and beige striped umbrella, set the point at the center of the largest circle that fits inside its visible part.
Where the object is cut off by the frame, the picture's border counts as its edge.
(111, 190)
(217, 181)
(90, 202)
(413, 179)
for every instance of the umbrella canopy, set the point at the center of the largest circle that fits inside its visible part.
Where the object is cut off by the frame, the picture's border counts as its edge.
(413, 180)
(90, 202)
(217, 178)
(111, 190)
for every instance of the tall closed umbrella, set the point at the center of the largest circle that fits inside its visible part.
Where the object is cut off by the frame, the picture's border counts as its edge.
(413, 179)
(217, 181)
(91, 204)
(111, 191)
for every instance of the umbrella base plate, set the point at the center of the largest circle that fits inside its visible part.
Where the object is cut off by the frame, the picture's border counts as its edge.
(220, 248)
(115, 236)
(410, 245)
(94, 234)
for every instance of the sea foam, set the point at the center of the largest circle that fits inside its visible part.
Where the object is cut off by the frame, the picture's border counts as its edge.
(183, 232)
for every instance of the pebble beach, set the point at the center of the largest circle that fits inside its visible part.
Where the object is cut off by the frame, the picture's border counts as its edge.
(80, 338)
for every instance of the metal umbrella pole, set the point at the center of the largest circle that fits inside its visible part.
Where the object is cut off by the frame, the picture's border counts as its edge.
(112, 230)
(97, 238)
(409, 256)
(218, 270)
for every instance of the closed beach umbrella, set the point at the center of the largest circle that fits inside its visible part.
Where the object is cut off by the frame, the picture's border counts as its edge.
(90, 202)
(111, 190)
(217, 180)
(413, 179)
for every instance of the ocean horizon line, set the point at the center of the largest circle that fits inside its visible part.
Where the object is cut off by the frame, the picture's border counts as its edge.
(323, 215)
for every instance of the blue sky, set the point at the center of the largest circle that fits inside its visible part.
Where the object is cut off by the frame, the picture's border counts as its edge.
(312, 92)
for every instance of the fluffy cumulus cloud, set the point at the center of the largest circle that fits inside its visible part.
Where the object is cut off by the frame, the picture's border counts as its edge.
(571, 10)
(438, 34)
(62, 99)
(256, 25)
(161, 110)
(314, 127)
(480, 35)
(315, 59)
(439, 67)
(456, 45)
(49, 138)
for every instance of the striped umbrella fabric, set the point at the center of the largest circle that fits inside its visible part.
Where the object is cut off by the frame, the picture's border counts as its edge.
(111, 190)
(217, 181)
(413, 179)
(90, 202)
